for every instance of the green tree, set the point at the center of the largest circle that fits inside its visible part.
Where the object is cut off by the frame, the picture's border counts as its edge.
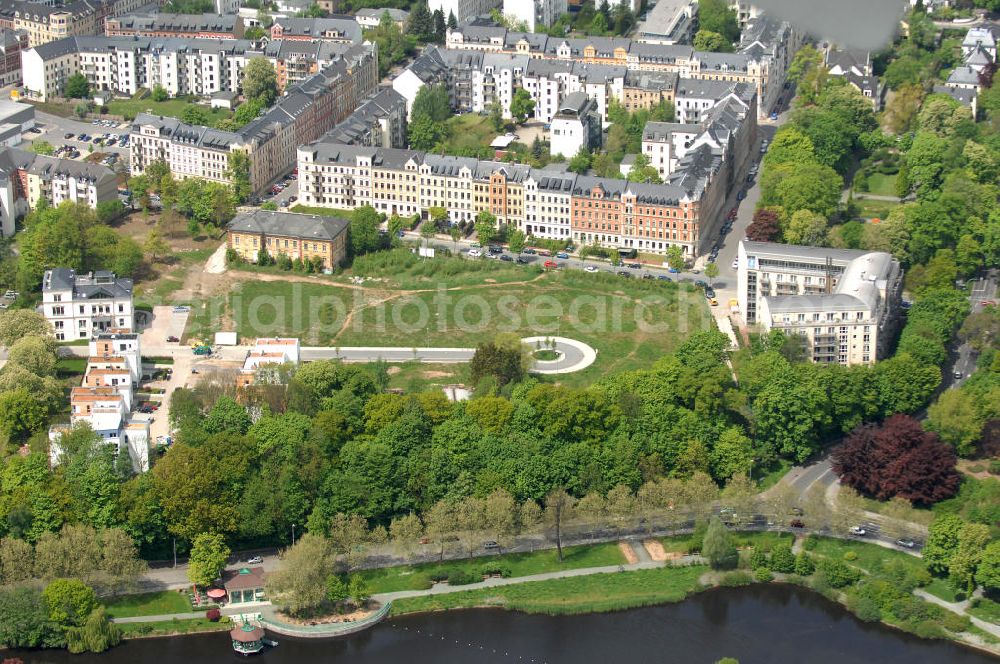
(227, 415)
(155, 246)
(432, 101)
(70, 601)
(942, 543)
(732, 454)
(718, 546)
(336, 589)
(420, 23)
(239, 175)
(486, 227)
(363, 231)
(522, 106)
(707, 40)
(955, 418)
(580, 163)
(34, 354)
(195, 115)
(675, 257)
(300, 584)
(159, 93)
(988, 572)
(711, 271)
(972, 540)
(97, 634)
(77, 87)
(641, 171)
(806, 227)
(18, 323)
(718, 16)
(358, 589)
(21, 414)
(209, 555)
(516, 240)
(260, 83)
(25, 621)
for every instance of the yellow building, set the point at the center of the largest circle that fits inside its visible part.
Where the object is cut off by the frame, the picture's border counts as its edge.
(298, 236)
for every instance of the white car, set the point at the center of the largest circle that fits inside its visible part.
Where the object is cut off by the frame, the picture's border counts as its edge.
(858, 531)
(590, 268)
(736, 263)
(475, 253)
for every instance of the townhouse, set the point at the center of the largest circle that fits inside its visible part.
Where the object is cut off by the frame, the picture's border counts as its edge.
(547, 202)
(305, 237)
(855, 67)
(26, 178)
(344, 29)
(762, 62)
(200, 26)
(44, 22)
(979, 53)
(79, 306)
(380, 121)
(306, 111)
(12, 43)
(846, 304)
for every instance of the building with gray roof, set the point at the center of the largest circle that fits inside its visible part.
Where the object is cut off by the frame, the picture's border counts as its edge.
(80, 306)
(844, 303)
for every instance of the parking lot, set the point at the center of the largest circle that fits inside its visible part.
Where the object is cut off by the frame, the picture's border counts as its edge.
(285, 191)
(55, 131)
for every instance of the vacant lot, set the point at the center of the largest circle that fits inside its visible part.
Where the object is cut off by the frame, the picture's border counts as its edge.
(129, 108)
(630, 323)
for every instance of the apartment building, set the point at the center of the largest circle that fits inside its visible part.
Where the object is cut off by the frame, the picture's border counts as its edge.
(695, 98)
(576, 126)
(762, 62)
(535, 14)
(644, 90)
(428, 68)
(45, 22)
(26, 178)
(344, 29)
(855, 67)
(79, 306)
(106, 397)
(370, 17)
(12, 43)
(306, 111)
(263, 361)
(844, 302)
(463, 10)
(307, 237)
(669, 22)
(199, 26)
(544, 202)
(380, 122)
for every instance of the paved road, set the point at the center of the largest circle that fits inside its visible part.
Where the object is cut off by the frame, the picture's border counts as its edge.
(965, 357)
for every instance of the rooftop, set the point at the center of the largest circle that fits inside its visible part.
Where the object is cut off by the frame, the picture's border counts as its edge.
(289, 224)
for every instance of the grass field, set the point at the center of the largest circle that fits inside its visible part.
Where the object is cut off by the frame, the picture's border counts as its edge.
(986, 609)
(870, 556)
(682, 543)
(70, 366)
(148, 604)
(419, 377)
(469, 131)
(870, 209)
(391, 579)
(322, 211)
(584, 594)
(942, 589)
(881, 184)
(630, 323)
(129, 108)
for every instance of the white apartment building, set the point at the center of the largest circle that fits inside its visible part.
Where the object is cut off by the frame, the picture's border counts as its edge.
(534, 14)
(846, 303)
(82, 306)
(464, 9)
(548, 195)
(576, 126)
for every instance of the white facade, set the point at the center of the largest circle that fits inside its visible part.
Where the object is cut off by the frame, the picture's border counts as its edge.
(81, 306)
(407, 84)
(548, 204)
(534, 13)
(464, 9)
(845, 303)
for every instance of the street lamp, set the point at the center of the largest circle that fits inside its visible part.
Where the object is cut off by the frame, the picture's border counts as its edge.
(293, 534)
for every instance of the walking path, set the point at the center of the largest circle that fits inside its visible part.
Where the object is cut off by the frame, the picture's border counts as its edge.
(960, 608)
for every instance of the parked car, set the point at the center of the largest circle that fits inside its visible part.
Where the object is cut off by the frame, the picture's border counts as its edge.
(529, 251)
(544, 252)
(624, 273)
(521, 260)
(495, 249)
(663, 277)
(673, 270)
(172, 339)
(858, 531)
(550, 265)
(774, 115)
(710, 293)
(906, 543)
(475, 253)
(736, 263)
(634, 266)
(590, 268)
(255, 560)
(563, 255)
(490, 545)
(959, 375)
(506, 258)
(68, 135)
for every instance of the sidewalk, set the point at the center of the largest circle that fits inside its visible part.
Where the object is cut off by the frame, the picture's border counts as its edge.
(961, 609)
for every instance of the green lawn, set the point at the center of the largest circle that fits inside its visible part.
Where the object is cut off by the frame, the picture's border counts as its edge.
(129, 108)
(322, 211)
(875, 209)
(630, 323)
(773, 474)
(148, 604)
(582, 594)
(881, 184)
(71, 366)
(986, 609)
(768, 540)
(419, 377)
(467, 132)
(940, 588)
(391, 579)
(135, 630)
(870, 556)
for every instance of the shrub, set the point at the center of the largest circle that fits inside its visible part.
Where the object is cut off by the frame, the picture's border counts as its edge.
(863, 607)
(782, 560)
(460, 577)
(836, 573)
(804, 565)
(735, 579)
(421, 582)
(810, 543)
(994, 467)
(438, 575)
(213, 615)
(491, 569)
(758, 559)
(763, 575)
(850, 556)
(955, 623)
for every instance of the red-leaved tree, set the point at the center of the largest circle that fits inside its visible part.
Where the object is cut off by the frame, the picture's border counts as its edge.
(897, 458)
(764, 227)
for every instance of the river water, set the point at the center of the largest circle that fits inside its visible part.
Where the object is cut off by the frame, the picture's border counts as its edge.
(780, 624)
